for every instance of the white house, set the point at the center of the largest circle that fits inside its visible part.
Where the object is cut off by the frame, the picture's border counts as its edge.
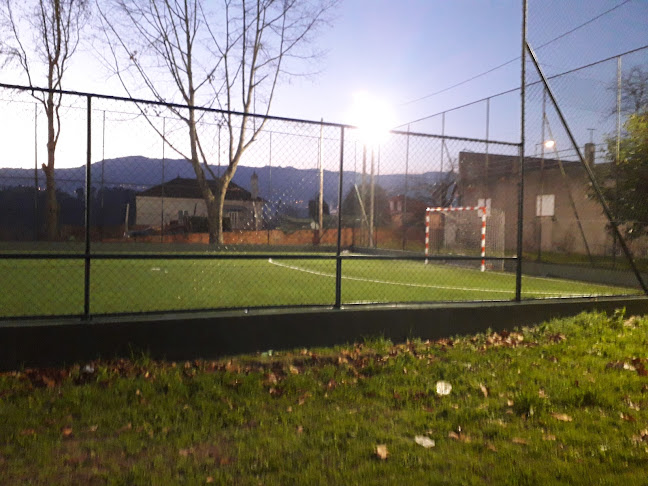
(180, 198)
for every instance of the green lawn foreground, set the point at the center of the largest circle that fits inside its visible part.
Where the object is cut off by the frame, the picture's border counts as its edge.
(562, 403)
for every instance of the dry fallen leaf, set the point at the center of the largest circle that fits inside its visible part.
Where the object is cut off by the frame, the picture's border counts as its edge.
(381, 451)
(424, 441)
(300, 429)
(453, 435)
(443, 388)
(184, 452)
(548, 437)
(484, 390)
(293, 370)
(541, 393)
(66, 431)
(563, 417)
(518, 440)
(209, 480)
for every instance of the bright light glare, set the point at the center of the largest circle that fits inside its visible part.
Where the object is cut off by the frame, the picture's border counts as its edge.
(373, 116)
(550, 144)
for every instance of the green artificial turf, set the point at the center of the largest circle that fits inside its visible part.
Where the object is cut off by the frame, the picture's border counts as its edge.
(562, 403)
(41, 287)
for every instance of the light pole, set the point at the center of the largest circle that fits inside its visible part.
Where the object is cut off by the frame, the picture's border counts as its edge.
(374, 120)
(547, 144)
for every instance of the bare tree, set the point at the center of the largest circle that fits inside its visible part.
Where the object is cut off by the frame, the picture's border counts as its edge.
(230, 57)
(634, 91)
(42, 36)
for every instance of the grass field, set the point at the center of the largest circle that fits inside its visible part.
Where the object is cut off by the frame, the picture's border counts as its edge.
(55, 287)
(562, 403)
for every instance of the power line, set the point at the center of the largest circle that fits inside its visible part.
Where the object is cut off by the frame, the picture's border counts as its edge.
(512, 90)
(516, 58)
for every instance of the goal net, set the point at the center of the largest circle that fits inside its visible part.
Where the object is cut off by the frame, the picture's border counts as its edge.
(469, 231)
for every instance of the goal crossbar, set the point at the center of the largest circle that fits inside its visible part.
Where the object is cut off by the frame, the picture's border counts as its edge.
(480, 209)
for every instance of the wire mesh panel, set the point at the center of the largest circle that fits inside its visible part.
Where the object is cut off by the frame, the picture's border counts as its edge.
(42, 203)
(576, 128)
(390, 185)
(247, 187)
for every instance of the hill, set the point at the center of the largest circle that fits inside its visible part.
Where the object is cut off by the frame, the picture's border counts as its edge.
(291, 185)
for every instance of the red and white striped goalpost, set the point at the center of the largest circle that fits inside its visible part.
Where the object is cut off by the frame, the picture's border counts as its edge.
(481, 210)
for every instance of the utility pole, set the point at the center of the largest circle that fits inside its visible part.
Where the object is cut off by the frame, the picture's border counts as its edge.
(371, 202)
(36, 172)
(542, 158)
(320, 204)
(617, 155)
(363, 182)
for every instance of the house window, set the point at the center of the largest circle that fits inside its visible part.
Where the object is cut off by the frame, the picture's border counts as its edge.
(545, 204)
(234, 218)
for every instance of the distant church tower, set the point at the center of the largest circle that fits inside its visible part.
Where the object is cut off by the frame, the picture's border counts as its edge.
(256, 208)
(254, 186)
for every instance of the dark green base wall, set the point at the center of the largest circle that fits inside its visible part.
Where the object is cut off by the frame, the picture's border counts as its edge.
(212, 335)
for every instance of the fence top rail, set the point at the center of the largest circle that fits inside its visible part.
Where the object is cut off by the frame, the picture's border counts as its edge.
(237, 113)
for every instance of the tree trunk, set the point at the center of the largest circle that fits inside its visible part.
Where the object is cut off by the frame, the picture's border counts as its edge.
(216, 216)
(51, 206)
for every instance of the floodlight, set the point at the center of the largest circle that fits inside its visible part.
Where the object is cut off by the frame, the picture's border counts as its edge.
(372, 116)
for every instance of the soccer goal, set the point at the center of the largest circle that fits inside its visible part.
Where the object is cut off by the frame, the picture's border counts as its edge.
(465, 231)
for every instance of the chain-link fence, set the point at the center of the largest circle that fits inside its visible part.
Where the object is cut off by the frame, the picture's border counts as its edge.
(585, 83)
(141, 213)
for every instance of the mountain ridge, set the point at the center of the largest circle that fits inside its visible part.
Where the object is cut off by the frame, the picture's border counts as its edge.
(289, 184)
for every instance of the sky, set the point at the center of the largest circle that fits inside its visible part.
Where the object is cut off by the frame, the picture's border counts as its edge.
(400, 52)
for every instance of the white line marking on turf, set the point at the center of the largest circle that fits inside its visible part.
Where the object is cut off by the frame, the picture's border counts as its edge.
(426, 286)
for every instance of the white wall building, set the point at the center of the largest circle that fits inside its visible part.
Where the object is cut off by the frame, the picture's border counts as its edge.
(178, 199)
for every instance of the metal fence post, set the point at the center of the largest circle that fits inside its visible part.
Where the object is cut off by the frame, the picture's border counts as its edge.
(163, 179)
(88, 186)
(520, 221)
(338, 263)
(404, 211)
(35, 171)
